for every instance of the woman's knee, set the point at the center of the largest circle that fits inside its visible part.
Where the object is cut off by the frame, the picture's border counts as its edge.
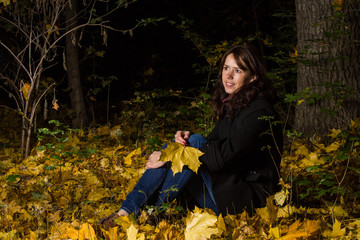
(196, 140)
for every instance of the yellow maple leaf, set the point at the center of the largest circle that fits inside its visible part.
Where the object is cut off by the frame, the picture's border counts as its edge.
(111, 234)
(97, 194)
(25, 90)
(334, 133)
(355, 124)
(299, 230)
(274, 233)
(311, 160)
(221, 224)
(338, 211)
(72, 233)
(87, 232)
(128, 158)
(286, 211)
(333, 147)
(131, 232)
(200, 225)
(337, 232)
(180, 155)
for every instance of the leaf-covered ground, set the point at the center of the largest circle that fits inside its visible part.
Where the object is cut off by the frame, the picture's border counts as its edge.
(66, 186)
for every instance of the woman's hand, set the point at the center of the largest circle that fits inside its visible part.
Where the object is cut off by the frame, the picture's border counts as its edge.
(154, 161)
(182, 136)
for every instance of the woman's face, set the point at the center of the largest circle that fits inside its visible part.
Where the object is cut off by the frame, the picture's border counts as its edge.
(232, 76)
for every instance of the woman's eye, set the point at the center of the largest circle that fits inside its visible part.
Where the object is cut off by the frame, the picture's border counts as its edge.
(238, 70)
(226, 68)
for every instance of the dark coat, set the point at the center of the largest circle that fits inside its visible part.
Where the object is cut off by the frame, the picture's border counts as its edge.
(243, 160)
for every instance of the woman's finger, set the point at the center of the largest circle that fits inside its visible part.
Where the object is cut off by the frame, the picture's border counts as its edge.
(181, 137)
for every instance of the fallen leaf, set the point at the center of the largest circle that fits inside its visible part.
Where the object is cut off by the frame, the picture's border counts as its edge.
(131, 232)
(180, 155)
(274, 233)
(339, 211)
(111, 234)
(200, 225)
(87, 232)
(280, 197)
(337, 232)
(301, 230)
(128, 158)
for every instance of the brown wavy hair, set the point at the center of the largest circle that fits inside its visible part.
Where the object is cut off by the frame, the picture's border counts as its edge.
(257, 85)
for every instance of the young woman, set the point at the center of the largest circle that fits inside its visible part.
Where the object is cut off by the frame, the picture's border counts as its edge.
(240, 165)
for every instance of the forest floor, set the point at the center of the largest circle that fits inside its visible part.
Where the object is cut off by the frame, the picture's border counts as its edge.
(66, 186)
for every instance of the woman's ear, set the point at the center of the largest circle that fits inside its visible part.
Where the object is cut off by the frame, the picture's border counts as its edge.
(253, 78)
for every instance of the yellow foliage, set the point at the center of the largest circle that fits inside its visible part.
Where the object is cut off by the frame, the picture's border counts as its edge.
(111, 234)
(87, 232)
(131, 232)
(85, 189)
(25, 90)
(334, 133)
(275, 233)
(311, 159)
(333, 147)
(8, 235)
(105, 130)
(355, 124)
(301, 230)
(5, 2)
(336, 232)
(200, 225)
(280, 197)
(97, 194)
(128, 159)
(180, 155)
(338, 211)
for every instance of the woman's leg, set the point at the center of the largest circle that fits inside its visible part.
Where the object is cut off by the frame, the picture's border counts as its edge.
(200, 187)
(149, 183)
(167, 186)
(173, 185)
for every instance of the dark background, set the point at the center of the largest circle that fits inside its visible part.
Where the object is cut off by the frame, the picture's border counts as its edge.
(163, 48)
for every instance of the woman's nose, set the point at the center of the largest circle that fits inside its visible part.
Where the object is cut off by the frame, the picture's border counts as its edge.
(229, 74)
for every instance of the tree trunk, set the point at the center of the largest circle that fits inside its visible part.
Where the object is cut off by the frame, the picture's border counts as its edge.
(329, 64)
(79, 117)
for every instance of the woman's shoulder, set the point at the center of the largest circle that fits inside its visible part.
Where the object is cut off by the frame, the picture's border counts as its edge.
(259, 104)
(258, 107)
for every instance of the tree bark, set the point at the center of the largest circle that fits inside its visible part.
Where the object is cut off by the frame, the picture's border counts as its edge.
(79, 116)
(329, 53)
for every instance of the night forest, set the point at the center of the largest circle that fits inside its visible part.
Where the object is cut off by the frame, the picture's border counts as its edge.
(88, 89)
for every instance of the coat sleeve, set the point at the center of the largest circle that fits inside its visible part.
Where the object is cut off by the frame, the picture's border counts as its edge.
(244, 139)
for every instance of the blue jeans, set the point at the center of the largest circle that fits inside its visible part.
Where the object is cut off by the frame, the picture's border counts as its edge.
(157, 186)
